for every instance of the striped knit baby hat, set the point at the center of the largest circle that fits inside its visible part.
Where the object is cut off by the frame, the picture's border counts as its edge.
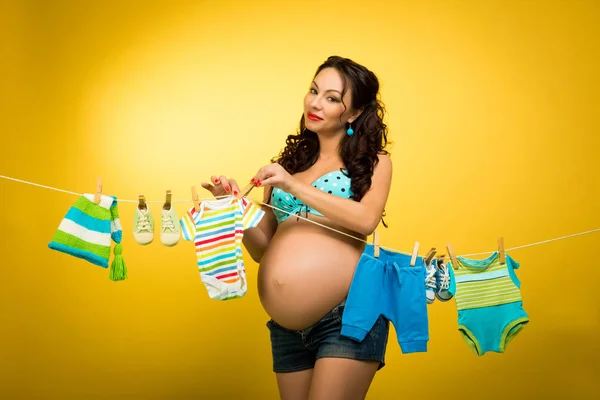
(85, 232)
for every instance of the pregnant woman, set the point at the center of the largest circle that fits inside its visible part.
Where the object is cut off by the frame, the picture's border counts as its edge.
(336, 172)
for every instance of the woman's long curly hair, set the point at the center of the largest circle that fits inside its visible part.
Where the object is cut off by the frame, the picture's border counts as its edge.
(358, 152)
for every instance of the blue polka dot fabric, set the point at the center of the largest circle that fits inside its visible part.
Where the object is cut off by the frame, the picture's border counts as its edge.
(335, 183)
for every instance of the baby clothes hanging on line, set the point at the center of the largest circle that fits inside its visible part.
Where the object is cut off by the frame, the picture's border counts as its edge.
(86, 230)
(489, 302)
(217, 229)
(388, 286)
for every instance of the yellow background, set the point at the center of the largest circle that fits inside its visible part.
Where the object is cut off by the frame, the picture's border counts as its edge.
(493, 110)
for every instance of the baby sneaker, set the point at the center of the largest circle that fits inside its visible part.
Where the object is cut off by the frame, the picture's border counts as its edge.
(143, 225)
(430, 282)
(169, 227)
(443, 293)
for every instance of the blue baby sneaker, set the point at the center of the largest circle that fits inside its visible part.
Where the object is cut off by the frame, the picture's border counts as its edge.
(443, 282)
(431, 282)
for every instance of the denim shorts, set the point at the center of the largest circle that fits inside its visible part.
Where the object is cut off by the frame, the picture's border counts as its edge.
(295, 350)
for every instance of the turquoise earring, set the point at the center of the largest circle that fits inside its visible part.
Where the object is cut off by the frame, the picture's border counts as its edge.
(349, 132)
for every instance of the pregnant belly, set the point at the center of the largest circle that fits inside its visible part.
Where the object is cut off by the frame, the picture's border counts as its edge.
(305, 272)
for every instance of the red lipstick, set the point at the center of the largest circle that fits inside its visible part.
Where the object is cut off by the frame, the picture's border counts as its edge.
(314, 117)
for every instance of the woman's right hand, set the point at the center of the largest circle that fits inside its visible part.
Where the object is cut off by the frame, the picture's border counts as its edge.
(221, 186)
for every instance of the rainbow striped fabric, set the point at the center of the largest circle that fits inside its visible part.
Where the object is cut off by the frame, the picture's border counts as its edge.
(217, 229)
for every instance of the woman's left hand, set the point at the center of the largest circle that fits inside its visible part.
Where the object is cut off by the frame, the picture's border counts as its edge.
(275, 175)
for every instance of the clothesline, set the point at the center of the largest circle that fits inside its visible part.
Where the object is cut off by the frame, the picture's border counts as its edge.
(306, 219)
(459, 255)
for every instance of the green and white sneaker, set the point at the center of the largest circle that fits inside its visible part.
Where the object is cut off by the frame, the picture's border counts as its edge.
(143, 226)
(169, 227)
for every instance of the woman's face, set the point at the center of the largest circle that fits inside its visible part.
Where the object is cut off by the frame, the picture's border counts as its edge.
(323, 103)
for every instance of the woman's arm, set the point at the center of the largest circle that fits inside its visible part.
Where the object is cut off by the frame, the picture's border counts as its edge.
(361, 217)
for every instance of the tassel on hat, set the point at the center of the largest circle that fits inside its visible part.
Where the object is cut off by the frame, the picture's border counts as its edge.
(118, 269)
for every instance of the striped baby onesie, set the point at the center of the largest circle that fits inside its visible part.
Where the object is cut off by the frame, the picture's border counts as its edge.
(217, 229)
(484, 283)
(488, 301)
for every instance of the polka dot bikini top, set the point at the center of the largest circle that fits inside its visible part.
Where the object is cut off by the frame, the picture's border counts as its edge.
(335, 183)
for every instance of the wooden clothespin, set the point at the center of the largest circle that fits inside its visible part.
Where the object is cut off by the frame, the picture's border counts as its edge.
(142, 202)
(195, 199)
(440, 260)
(376, 244)
(98, 190)
(246, 191)
(429, 256)
(501, 250)
(415, 252)
(452, 256)
(167, 205)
